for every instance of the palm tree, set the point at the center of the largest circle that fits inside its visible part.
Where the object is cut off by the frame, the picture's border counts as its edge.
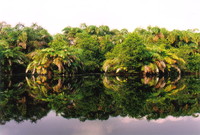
(70, 34)
(162, 61)
(50, 60)
(36, 37)
(11, 59)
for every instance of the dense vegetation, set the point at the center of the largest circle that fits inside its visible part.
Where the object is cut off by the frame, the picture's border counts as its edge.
(88, 49)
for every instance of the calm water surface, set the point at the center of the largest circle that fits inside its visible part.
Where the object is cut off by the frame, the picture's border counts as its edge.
(99, 105)
(57, 125)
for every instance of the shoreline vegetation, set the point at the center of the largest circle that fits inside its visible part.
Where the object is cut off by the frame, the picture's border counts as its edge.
(98, 49)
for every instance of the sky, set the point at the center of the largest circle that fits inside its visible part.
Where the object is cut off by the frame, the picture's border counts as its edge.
(54, 15)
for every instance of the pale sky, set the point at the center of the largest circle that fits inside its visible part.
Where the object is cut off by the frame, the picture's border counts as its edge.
(54, 15)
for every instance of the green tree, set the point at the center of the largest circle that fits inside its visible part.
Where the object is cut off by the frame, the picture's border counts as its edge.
(92, 58)
(129, 56)
(51, 60)
(12, 59)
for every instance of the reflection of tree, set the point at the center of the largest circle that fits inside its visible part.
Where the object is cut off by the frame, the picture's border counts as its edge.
(43, 87)
(129, 94)
(159, 98)
(174, 98)
(98, 97)
(78, 97)
(17, 104)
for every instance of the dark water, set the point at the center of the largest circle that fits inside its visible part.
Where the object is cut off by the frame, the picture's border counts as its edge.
(99, 105)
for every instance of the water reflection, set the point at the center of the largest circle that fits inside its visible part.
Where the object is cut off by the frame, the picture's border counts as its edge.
(98, 97)
(56, 125)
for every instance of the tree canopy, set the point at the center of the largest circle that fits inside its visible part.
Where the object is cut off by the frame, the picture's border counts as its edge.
(91, 49)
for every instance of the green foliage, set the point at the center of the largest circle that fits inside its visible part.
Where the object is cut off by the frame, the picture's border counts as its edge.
(11, 59)
(193, 63)
(162, 60)
(153, 50)
(91, 51)
(51, 60)
(131, 55)
(59, 41)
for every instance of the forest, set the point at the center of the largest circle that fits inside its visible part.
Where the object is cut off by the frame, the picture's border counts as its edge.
(98, 49)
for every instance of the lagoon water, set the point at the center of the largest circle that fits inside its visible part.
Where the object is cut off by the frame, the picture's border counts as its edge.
(57, 125)
(99, 105)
